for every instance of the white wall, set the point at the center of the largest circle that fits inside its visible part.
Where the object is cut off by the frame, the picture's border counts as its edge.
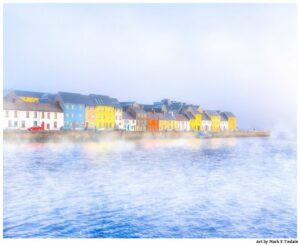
(224, 125)
(118, 118)
(131, 123)
(29, 121)
(184, 126)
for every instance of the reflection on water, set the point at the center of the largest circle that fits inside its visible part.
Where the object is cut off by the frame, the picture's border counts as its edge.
(208, 188)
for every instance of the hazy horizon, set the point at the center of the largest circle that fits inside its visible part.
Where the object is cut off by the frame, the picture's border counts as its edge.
(231, 57)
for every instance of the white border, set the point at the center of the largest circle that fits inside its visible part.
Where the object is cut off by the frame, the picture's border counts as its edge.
(144, 241)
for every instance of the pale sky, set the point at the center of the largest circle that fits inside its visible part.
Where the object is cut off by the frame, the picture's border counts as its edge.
(232, 57)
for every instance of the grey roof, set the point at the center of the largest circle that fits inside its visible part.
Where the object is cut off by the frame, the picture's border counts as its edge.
(180, 117)
(27, 106)
(148, 107)
(228, 114)
(126, 103)
(189, 115)
(127, 116)
(101, 100)
(139, 110)
(152, 115)
(116, 103)
(158, 108)
(205, 116)
(48, 96)
(212, 112)
(74, 98)
(21, 93)
(166, 117)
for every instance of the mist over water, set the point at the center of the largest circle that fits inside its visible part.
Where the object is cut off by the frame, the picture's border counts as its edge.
(208, 188)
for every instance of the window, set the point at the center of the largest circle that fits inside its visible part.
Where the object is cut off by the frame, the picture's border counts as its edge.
(55, 115)
(16, 124)
(23, 123)
(35, 115)
(16, 114)
(27, 114)
(6, 114)
(35, 123)
(48, 115)
(43, 115)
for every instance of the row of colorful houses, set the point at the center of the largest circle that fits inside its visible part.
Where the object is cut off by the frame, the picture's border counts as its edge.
(64, 110)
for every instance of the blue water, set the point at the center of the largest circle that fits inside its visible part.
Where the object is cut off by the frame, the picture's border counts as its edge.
(212, 188)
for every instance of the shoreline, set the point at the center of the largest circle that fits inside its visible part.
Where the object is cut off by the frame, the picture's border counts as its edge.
(94, 136)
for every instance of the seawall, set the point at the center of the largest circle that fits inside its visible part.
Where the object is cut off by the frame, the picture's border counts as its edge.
(85, 136)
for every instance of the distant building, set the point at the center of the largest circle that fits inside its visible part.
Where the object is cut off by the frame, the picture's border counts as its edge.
(118, 113)
(167, 122)
(23, 115)
(129, 123)
(73, 105)
(126, 105)
(215, 117)
(231, 120)
(104, 111)
(152, 122)
(140, 115)
(23, 96)
(194, 114)
(206, 122)
(90, 114)
(183, 122)
(223, 122)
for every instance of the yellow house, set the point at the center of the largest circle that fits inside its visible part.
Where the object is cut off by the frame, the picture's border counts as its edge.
(215, 120)
(90, 116)
(166, 122)
(176, 125)
(231, 120)
(105, 117)
(195, 119)
(103, 111)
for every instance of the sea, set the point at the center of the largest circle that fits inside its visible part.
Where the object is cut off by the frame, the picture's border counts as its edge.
(151, 188)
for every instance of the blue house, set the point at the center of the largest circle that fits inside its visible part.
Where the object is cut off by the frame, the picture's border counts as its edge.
(73, 105)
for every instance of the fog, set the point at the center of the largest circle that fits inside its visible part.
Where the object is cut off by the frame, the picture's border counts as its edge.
(232, 57)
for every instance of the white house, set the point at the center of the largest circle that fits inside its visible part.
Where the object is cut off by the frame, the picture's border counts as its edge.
(183, 122)
(206, 123)
(119, 118)
(129, 123)
(23, 115)
(224, 122)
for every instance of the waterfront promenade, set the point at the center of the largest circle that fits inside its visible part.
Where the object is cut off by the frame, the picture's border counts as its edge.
(81, 136)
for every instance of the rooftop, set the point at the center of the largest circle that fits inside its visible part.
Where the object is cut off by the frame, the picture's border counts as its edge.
(74, 98)
(27, 106)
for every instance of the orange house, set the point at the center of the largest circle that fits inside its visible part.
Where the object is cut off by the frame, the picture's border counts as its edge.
(152, 122)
